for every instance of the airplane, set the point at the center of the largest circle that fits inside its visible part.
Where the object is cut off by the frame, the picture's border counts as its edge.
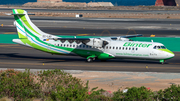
(89, 47)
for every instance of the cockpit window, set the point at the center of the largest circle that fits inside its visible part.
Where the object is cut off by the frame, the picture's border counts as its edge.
(163, 47)
(159, 47)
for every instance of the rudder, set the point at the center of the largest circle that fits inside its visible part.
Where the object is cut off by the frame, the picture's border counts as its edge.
(19, 25)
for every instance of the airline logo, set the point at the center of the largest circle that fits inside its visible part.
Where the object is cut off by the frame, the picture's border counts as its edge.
(132, 44)
(45, 39)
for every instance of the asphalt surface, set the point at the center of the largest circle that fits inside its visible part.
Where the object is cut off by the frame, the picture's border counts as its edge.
(95, 11)
(106, 27)
(98, 32)
(17, 56)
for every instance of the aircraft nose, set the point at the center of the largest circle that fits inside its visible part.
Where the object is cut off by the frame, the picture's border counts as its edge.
(170, 55)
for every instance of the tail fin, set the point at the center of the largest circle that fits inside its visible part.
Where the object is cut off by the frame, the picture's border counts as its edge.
(24, 25)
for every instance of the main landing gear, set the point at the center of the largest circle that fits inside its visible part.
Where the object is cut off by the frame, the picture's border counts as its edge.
(91, 58)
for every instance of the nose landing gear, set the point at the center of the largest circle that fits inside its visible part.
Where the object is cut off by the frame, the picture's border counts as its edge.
(162, 61)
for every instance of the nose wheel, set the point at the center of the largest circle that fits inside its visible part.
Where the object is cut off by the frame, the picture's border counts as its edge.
(162, 61)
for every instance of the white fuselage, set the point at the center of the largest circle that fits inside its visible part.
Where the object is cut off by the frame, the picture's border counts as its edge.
(123, 49)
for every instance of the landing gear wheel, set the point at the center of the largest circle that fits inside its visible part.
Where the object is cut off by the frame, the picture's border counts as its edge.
(90, 60)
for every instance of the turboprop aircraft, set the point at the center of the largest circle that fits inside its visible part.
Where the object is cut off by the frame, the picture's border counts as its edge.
(91, 48)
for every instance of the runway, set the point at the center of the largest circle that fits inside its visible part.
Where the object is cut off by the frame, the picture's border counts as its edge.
(98, 32)
(99, 27)
(17, 56)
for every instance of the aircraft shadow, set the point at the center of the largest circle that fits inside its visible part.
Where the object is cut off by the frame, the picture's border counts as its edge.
(72, 59)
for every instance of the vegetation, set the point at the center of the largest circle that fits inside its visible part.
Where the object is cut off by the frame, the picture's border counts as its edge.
(57, 85)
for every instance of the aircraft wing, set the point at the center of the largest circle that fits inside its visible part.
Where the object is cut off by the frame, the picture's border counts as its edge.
(97, 42)
(113, 37)
(126, 36)
(130, 36)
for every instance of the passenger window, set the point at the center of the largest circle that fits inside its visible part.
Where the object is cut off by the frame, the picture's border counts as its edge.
(90, 46)
(132, 48)
(126, 48)
(58, 44)
(136, 48)
(84, 46)
(109, 47)
(67, 45)
(64, 45)
(123, 48)
(113, 47)
(119, 48)
(154, 47)
(116, 47)
(106, 47)
(70, 46)
(129, 48)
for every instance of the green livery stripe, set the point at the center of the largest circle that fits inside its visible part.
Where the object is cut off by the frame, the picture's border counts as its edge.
(20, 11)
(18, 20)
(166, 50)
(26, 41)
(21, 36)
(80, 52)
(168, 58)
(23, 18)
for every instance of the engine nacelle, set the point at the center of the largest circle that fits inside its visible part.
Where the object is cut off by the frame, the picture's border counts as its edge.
(124, 39)
(119, 39)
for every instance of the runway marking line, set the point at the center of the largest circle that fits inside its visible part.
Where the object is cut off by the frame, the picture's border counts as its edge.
(9, 45)
(82, 34)
(19, 47)
(47, 64)
(173, 63)
(50, 59)
(10, 33)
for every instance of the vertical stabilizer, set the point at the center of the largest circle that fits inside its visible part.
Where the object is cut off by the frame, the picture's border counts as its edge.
(24, 25)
